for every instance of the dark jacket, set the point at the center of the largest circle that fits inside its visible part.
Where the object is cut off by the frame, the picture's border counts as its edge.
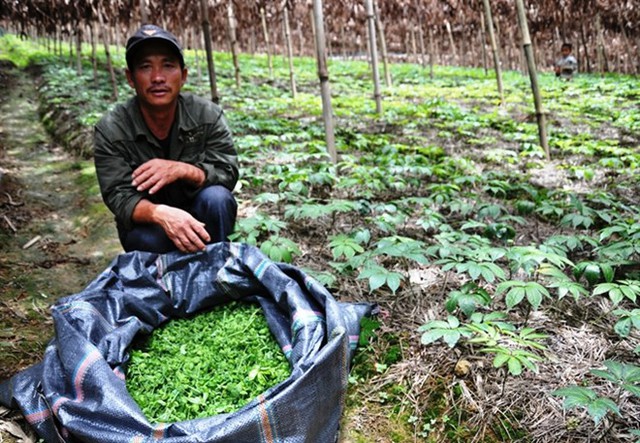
(123, 142)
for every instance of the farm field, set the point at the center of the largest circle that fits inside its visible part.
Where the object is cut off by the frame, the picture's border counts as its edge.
(507, 283)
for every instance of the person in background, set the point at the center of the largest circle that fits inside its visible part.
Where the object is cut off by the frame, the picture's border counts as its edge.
(165, 160)
(567, 65)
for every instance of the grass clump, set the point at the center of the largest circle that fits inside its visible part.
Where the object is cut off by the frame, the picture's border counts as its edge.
(213, 363)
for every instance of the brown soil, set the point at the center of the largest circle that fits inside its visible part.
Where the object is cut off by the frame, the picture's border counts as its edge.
(49, 246)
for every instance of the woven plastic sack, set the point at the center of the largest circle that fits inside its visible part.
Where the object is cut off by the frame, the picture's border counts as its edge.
(78, 392)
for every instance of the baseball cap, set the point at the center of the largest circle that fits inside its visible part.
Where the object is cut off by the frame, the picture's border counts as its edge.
(151, 32)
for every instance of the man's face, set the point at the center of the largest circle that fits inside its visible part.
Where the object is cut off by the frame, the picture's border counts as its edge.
(565, 51)
(156, 75)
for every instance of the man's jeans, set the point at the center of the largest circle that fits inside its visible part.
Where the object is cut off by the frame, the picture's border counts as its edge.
(214, 205)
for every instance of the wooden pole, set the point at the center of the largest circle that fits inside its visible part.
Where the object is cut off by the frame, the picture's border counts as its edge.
(233, 42)
(105, 38)
(483, 41)
(452, 43)
(78, 49)
(603, 65)
(287, 36)
(323, 75)
(374, 54)
(265, 32)
(533, 76)
(423, 54)
(432, 52)
(494, 49)
(94, 57)
(383, 46)
(206, 31)
(196, 36)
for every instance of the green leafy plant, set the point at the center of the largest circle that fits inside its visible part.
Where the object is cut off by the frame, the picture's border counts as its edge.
(624, 375)
(344, 246)
(210, 364)
(593, 272)
(562, 282)
(280, 248)
(511, 348)
(468, 299)
(583, 216)
(627, 320)
(251, 229)
(449, 331)
(516, 291)
(578, 396)
(619, 291)
(379, 276)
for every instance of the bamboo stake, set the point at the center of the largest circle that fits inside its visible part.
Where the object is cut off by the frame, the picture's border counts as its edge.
(233, 43)
(94, 57)
(265, 32)
(287, 36)
(383, 46)
(603, 66)
(196, 37)
(374, 54)
(423, 55)
(414, 46)
(323, 75)
(78, 50)
(452, 43)
(206, 30)
(71, 42)
(494, 49)
(533, 76)
(583, 40)
(107, 53)
(483, 41)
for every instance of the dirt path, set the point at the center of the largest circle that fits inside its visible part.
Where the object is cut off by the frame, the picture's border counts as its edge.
(55, 234)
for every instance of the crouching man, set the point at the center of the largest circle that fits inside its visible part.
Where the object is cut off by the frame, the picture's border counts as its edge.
(165, 160)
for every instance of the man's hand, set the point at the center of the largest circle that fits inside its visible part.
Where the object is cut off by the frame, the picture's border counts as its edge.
(157, 173)
(187, 233)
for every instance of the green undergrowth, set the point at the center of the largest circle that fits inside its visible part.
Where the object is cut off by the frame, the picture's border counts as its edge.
(446, 182)
(213, 363)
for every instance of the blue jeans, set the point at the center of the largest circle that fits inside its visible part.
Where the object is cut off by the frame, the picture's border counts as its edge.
(214, 205)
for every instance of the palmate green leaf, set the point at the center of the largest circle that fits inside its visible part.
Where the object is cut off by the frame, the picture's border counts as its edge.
(431, 336)
(376, 281)
(575, 396)
(280, 249)
(515, 359)
(448, 330)
(488, 271)
(618, 291)
(634, 389)
(451, 337)
(599, 407)
(514, 297)
(467, 298)
(514, 365)
(619, 372)
(378, 276)
(500, 359)
(491, 271)
(343, 245)
(628, 320)
(518, 290)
